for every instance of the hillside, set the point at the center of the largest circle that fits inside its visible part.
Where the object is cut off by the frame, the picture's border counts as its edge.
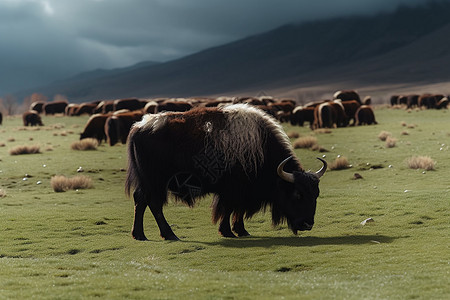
(409, 46)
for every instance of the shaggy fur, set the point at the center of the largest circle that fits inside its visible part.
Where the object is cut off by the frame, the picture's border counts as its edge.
(232, 152)
(243, 146)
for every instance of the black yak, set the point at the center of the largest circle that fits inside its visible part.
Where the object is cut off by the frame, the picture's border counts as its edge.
(238, 153)
(55, 107)
(31, 118)
(365, 115)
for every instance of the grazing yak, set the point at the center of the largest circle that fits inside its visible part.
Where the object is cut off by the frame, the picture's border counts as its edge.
(302, 114)
(341, 115)
(104, 107)
(347, 95)
(443, 103)
(350, 108)
(95, 127)
(174, 106)
(429, 101)
(71, 108)
(365, 115)
(130, 104)
(31, 118)
(394, 100)
(85, 108)
(325, 116)
(55, 107)
(237, 152)
(412, 101)
(37, 106)
(118, 125)
(151, 107)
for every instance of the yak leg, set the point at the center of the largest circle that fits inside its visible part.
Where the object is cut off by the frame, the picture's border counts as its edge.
(238, 224)
(139, 208)
(164, 227)
(224, 226)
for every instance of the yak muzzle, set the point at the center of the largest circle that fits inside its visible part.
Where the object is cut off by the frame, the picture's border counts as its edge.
(303, 226)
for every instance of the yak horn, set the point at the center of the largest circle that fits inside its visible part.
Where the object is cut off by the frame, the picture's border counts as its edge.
(323, 169)
(289, 177)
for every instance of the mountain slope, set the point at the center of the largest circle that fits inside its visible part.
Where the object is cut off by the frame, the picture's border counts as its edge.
(378, 48)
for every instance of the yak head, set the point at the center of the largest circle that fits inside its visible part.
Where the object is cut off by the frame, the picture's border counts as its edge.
(299, 196)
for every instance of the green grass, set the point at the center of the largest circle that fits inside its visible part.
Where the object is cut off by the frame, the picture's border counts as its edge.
(77, 244)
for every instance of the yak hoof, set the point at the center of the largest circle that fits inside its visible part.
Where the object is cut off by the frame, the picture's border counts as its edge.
(244, 233)
(139, 237)
(171, 238)
(227, 234)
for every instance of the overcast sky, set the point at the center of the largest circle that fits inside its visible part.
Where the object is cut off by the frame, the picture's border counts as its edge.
(45, 40)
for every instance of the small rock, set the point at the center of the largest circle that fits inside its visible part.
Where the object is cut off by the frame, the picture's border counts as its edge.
(369, 220)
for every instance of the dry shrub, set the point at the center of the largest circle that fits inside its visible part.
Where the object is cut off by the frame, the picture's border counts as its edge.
(2, 144)
(316, 147)
(85, 144)
(390, 142)
(412, 126)
(11, 140)
(384, 135)
(62, 183)
(404, 124)
(405, 132)
(25, 149)
(305, 142)
(293, 135)
(421, 162)
(339, 163)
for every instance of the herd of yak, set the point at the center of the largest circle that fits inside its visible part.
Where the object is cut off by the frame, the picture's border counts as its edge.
(111, 120)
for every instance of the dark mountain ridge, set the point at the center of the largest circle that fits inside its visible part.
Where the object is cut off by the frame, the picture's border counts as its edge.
(312, 51)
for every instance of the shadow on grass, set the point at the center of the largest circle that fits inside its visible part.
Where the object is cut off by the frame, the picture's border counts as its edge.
(254, 241)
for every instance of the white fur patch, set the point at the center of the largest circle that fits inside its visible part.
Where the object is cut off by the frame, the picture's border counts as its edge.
(244, 138)
(151, 122)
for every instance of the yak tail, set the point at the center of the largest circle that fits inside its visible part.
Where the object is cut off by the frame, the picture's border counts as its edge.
(132, 178)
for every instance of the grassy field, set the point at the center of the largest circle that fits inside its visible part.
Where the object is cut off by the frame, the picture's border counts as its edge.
(77, 244)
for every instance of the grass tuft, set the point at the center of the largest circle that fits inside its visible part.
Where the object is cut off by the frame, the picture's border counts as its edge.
(340, 163)
(293, 135)
(384, 135)
(390, 142)
(85, 144)
(421, 162)
(305, 142)
(25, 149)
(62, 183)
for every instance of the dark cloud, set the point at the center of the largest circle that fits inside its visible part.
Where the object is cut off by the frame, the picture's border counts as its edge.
(45, 40)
